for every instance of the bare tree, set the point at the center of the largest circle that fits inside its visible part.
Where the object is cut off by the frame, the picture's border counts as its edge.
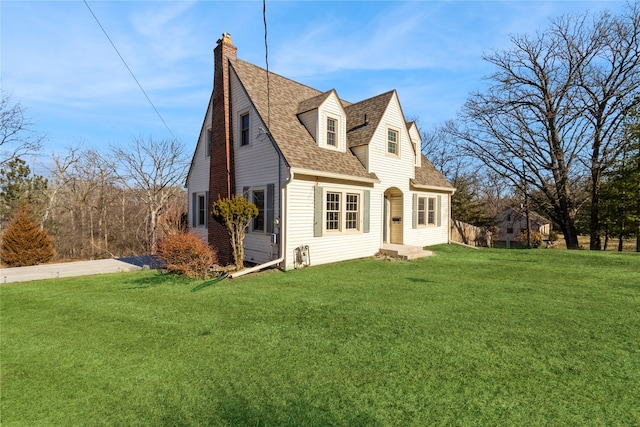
(609, 86)
(155, 170)
(17, 139)
(553, 107)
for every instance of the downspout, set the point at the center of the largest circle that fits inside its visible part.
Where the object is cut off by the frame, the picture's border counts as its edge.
(282, 225)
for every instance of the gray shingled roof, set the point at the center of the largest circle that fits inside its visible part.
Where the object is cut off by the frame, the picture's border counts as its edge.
(427, 174)
(294, 141)
(313, 103)
(357, 132)
(288, 98)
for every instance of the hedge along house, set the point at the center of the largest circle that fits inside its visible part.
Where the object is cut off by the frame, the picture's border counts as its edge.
(340, 180)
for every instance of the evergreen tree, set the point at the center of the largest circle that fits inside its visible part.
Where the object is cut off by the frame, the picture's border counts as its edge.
(24, 242)
(17, 184)
(621, 189)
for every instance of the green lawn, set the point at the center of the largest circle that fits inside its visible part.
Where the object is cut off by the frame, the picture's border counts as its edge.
(467, 337)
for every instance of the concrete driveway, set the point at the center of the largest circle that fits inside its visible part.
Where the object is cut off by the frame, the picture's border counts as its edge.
(78, 268)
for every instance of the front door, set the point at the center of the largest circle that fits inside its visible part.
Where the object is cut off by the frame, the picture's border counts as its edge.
(395, 218)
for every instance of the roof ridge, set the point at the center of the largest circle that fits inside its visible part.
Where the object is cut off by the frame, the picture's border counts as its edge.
(276, 74)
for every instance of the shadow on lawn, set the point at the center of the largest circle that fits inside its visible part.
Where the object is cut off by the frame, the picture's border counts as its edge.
(419, 280)
(147, 282)
(230, 405)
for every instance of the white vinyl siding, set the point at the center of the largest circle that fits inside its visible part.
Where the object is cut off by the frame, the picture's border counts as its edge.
(310, 121)
(362, 153)
(416, 141)
(257, 168)
(330, 246)
(198, 178)
(333, 125)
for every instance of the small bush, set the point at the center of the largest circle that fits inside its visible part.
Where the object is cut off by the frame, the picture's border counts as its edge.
(536, 238)
(187, 254)
(24, 242)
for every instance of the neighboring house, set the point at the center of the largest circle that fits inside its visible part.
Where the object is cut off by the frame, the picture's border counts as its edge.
(512, 222)
(339, 178)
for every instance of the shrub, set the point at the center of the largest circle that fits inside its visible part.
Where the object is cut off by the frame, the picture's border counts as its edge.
(24, 242)
(187, 254)
(236, 214)
(536, 238)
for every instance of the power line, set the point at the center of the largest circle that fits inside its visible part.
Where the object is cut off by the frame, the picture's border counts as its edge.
(130, 72)
(266, 58)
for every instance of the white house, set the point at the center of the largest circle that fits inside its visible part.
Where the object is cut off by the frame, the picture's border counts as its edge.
(340, 179)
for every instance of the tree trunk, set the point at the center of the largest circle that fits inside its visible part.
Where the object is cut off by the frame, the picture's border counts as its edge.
(595, 243)
(570, 235)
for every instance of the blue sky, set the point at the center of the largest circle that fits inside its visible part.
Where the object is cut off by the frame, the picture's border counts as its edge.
(58, 63)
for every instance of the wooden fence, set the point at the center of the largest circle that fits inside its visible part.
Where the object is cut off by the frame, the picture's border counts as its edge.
(468, 234)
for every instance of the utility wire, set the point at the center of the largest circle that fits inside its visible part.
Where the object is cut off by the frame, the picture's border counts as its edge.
(266, 59)
(130, 72)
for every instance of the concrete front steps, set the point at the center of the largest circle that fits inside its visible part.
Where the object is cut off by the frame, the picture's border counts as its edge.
(407, 252)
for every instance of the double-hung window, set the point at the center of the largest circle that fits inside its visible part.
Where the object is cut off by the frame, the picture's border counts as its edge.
(333, 211)
(352, 211)
(342, 211)
(392, 142)
(332, 125)
(426, 211)
(244, 129)
(422, 211)
(199, 209)
(431, 211)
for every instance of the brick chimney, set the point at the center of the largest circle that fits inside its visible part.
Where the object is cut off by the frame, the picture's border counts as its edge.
(221, 172)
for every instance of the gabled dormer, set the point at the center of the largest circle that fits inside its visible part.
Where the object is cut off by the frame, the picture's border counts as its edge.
(325, 119)
(416, 141)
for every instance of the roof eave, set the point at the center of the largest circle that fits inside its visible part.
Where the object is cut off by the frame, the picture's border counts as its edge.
(333, 175)
(437, 188)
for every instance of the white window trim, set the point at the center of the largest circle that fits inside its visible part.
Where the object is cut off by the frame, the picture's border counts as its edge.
(197, 208)
(435, 211)
(338, 131)
(398, 141)
(342, 227)
(241, 114)
(426, 211)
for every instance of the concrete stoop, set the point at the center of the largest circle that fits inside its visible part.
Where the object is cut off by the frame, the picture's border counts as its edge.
(406, 252)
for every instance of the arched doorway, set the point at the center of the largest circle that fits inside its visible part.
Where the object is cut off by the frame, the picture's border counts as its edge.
(393, 217)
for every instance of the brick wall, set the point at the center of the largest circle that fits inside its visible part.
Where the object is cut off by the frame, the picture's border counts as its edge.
(221, 176)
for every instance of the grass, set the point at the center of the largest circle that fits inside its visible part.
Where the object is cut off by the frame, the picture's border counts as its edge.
(467, 337)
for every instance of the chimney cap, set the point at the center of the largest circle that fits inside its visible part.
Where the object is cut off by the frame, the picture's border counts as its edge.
(226, 39)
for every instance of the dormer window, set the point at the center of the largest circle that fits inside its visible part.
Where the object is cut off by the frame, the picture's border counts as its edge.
(332, 125)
